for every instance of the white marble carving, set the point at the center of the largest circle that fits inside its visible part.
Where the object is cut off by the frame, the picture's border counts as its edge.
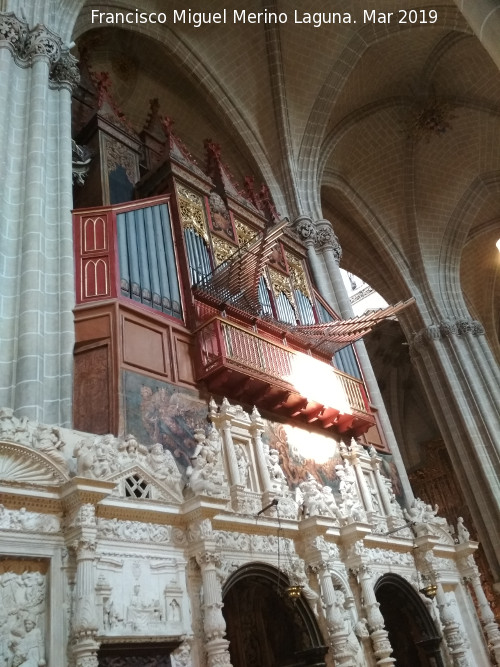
(135, 531)
(317, 499)
(425, 521)
(29, 522)
(206, 476)
(139, 598)
(276, 474)
(243, 465)
(181, 657)
(22, 615)
(116, 459)
(462, 532)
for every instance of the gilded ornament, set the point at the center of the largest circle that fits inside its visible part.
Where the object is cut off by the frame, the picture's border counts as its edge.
(192, 211)
(281, 284)
(297, 274)
(245, 233)
(222, 250)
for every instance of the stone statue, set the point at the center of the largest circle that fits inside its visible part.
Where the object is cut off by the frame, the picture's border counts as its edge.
(206, 476)
(243, 465)
(462, 532)
(30, 645)
(162, 464)
(314, 498)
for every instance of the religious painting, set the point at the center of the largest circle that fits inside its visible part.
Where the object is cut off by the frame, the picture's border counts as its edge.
(389, 470)
(302, 452)
(160, 412)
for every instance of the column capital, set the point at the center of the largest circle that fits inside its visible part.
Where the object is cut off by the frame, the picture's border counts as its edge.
(43, 44)
(13, 34)
(305, 229)
(38, 43)
(446, 328)
(64, 72)
(326, 239)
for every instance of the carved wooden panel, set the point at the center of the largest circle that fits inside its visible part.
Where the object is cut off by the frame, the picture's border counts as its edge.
(91, 390)
(145, 345)
(184, 352)
(136, 661)
(93, 328)
(136, 655)
(93, 257)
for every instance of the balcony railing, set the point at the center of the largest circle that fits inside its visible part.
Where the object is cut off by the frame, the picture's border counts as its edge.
(225, 348)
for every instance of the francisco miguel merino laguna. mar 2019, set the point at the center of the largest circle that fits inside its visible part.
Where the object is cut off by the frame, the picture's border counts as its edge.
(316, 19)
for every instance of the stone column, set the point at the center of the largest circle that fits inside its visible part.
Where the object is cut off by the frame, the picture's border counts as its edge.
(380, 638)
(328, 246)
(381, 486)
(451, 630)
(307, 232)
(224, 423)
(36, 323)
(214, 625)
(337, 632)
(256, 429)
(469, 570)
(352, 456)
(85, 625)
(465, 400)
(483, 16)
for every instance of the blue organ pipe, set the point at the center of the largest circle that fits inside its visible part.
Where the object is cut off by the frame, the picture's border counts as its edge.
(133, 257)
(173, 279)
(164, 289)
(152, 249)
(142, 250)
(122, 247)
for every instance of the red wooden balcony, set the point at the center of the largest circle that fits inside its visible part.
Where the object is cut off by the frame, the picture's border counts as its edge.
(253, 369)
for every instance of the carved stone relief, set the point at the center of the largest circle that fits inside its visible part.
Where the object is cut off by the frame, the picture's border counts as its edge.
(29, 522)
(140, 473)
(22, 613)
(19, 464)
(139, 597)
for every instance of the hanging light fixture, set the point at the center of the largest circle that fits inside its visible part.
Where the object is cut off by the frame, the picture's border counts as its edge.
(429, 590)
(294, 588)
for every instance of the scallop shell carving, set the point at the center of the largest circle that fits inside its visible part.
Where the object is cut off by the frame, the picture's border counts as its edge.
(20, 464)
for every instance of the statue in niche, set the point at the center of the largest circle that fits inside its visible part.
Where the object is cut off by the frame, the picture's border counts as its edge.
(174, 611)
(243, 465)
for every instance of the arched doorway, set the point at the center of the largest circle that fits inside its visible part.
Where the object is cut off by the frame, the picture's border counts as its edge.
(264, 626)
(413, 634)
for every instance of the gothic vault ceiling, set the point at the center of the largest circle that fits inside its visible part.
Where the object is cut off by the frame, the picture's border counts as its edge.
(388, 130)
